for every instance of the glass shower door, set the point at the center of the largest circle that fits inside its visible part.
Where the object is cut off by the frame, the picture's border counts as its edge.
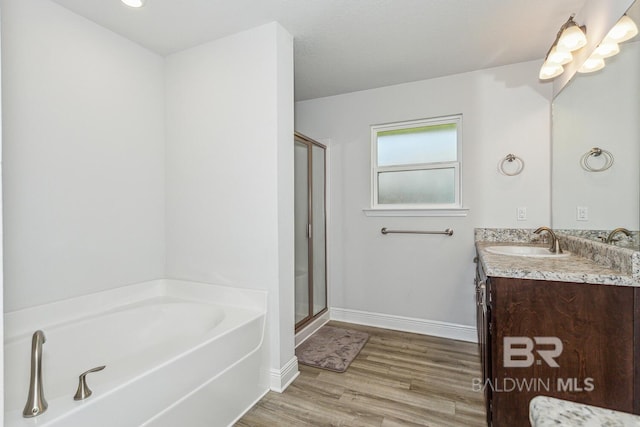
(310, 230)
(318, 229)
(301, 200)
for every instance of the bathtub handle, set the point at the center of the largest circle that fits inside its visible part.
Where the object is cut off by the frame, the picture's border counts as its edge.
(83, 389)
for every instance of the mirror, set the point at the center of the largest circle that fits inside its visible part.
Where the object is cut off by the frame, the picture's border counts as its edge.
(600, 110)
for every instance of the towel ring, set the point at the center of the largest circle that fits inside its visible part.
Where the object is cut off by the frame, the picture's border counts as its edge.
(510, 158)
(596, 152)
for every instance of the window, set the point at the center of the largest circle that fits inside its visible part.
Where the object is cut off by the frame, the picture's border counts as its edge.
(416, 164)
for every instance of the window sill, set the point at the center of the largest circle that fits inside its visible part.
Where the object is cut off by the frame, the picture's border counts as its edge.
(451, 212)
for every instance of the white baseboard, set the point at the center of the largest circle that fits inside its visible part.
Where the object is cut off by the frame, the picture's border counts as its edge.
(406, 324)
(282, 378)
(311, 328)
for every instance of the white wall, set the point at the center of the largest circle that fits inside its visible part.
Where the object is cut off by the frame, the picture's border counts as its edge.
(284, 366)
(83, 149)
(505, 110)
(229, 169)
(1, 255)
(599, 110)
(85, 176)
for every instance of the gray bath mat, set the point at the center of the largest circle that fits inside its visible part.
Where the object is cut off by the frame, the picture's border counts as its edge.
(331, 348)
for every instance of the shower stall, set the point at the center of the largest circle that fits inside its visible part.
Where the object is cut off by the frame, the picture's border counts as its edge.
(310, 230)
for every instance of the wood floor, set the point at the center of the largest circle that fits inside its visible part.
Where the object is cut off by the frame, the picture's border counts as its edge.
(398, 379)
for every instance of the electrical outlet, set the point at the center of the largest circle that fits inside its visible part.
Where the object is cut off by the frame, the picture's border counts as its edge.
(521, 214)
(582, 213)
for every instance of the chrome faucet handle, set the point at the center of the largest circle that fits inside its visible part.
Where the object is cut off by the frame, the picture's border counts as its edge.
(83, 389)
(554, 243)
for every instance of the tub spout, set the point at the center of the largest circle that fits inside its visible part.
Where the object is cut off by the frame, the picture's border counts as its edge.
(36, 403)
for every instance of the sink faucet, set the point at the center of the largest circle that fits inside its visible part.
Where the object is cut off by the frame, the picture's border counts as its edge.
(611, 235)
(554, 245)
(36, 403)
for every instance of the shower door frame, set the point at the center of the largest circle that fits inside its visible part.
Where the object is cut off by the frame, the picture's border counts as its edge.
(310, 143)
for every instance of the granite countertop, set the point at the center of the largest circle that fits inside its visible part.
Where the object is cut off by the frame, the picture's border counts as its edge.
(547, 411)
(573, 268)
(590, 261)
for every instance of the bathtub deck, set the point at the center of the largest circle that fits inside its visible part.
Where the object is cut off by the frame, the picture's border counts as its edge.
(397, 379)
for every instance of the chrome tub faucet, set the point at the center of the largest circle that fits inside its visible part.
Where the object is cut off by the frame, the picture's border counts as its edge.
(554, 243)
(36, 403)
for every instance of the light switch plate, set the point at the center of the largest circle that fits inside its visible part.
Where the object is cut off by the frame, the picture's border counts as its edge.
(521, 214)
(582, 213)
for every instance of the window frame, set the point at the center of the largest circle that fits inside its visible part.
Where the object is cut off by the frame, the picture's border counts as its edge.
(456, 165)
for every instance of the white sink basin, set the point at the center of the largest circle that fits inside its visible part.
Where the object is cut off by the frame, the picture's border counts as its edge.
(528, 251)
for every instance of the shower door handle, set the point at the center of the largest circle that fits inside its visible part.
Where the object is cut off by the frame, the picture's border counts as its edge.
(309, 228)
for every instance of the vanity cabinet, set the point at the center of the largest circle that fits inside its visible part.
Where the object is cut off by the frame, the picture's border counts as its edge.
(573, 341)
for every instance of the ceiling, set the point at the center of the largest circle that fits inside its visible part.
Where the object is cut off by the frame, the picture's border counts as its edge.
(349, 45)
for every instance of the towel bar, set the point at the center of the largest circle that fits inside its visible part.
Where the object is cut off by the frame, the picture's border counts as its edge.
(448, 231)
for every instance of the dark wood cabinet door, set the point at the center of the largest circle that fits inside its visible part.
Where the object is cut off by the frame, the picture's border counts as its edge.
(594, 363)
(483, 325)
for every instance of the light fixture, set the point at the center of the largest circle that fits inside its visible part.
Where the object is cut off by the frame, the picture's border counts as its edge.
(133, 3)
(591, 65)
(606, 49)
(570, 37)
(624, 30)
(549, 71)
(559, 57)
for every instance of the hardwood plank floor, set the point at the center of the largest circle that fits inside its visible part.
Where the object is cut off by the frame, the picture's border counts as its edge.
(398, 379)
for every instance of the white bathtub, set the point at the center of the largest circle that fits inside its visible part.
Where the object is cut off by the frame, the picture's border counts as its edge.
(176, 353)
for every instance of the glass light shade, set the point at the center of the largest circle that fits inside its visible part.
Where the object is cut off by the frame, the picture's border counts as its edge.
(606, 49)
(559, 57)
(549, 71)
(591, 64)
(572, 38)
(133, 3)
(624, 30)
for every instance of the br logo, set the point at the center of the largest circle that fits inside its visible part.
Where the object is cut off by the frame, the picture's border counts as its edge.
(519, 351)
